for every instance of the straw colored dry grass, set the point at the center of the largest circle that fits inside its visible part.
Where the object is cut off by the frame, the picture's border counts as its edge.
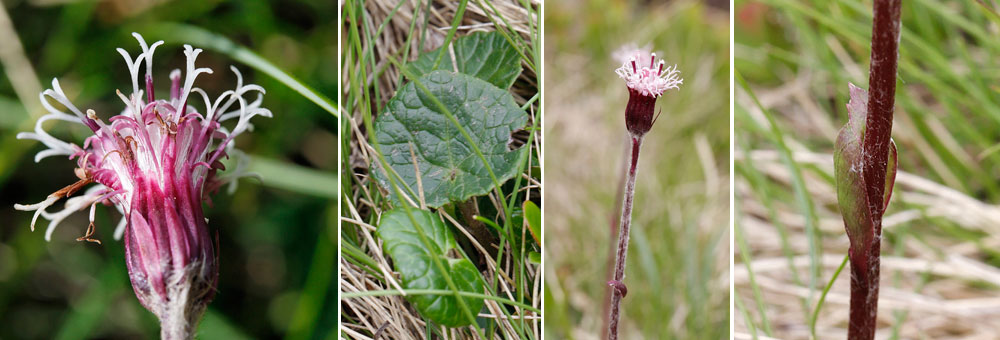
(938, 286)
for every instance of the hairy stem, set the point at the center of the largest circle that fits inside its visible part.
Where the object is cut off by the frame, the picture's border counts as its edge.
(881, 98)
(864, 297)
(617, 282)
(176, 328)
(876, 144)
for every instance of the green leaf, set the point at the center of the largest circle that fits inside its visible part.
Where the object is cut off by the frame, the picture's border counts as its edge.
(534, 216)
(847, 164)
(449, 169)
(415, 263)
(848, 161)
(535, 257)
(484, 55)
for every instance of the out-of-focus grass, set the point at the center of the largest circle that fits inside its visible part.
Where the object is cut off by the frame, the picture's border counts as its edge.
(276, 235)
(677, 273)
(939, 233)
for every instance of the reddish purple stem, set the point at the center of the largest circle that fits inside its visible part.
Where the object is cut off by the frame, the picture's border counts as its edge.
(619, 289)
(881, 98)
(878, 128)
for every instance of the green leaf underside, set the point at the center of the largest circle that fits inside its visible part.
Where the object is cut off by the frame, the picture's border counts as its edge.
(484, 55)
(848, 160)
(449, 169)
(415, 264)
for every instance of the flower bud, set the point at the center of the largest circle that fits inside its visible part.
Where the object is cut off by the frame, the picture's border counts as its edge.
(645, 84)
(639, 113)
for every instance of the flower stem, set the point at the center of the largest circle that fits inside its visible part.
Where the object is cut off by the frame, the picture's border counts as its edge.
(876, 145)
(881, 99)
(619, 289)
(175, 331)
(176, 326)
(864, 297)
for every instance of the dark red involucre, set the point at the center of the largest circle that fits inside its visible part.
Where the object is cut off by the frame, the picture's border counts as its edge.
(645, 84)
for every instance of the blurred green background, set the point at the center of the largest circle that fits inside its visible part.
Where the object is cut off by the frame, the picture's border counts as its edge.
(678, 268)
(277, 250)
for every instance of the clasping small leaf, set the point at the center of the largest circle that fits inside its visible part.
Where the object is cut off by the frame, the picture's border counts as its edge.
(859, 220)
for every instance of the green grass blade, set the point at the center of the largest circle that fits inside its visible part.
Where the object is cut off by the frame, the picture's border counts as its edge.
(295, 178)
(822, 297)
(802, 194)
(393, 292)
(313, 297)
(199, 37)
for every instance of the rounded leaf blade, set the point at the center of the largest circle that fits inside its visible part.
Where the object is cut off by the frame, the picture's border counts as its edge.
(415, 264)
(414, 128)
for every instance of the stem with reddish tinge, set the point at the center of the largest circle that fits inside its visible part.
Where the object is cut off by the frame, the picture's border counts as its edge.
(864, 295)
(617, 282)
(878, 127)
(881, 98)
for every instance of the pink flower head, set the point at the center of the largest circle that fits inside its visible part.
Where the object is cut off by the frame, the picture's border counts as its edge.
(156, 162)
(645, 84)
(652, 80)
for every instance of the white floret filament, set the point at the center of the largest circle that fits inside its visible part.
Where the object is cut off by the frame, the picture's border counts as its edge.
(653, 80)
(143, 144)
